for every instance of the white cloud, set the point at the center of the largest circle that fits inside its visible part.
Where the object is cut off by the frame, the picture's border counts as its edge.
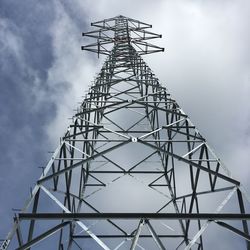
(70, 73)
(12, 51)
(11, 43)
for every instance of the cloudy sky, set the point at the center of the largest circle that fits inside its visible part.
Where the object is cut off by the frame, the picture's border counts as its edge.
(44, 74)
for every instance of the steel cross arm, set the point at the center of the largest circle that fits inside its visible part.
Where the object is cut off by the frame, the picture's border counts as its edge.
(99, 36)
(180, 158)
(146, 44)
(43, 236)
(233, 229)
(205, 192)
(125, 172)
(147, 32)
(107, 129)
(129, 236)
(112, 28)
(159, 129)
(99, 108)
(62, 171)
(133, 216)
(160, 108)
(134, 22)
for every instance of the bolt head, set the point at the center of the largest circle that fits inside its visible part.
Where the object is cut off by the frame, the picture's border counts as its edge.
(134, 139)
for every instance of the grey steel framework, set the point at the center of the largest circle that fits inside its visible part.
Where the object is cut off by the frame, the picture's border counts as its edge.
(132, 171)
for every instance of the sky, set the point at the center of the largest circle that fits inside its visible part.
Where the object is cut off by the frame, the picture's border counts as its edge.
(44, 74)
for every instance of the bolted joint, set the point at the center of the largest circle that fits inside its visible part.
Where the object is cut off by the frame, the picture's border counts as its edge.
(134, 139)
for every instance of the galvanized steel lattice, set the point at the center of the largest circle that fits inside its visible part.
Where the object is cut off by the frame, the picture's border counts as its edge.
(132, 171)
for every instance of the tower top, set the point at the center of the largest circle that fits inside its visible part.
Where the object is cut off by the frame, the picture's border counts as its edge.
(121, 30)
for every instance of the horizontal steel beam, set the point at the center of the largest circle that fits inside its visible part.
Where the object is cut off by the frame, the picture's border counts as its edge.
(156, 216)
(112, 236)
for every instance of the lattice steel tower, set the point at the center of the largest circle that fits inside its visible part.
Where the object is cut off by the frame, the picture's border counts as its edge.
(131, 171)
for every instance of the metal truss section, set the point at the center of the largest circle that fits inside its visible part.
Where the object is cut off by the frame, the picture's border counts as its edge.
(119, 30)
(131, 171)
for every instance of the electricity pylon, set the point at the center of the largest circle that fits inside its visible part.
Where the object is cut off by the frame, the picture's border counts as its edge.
(132, 171)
